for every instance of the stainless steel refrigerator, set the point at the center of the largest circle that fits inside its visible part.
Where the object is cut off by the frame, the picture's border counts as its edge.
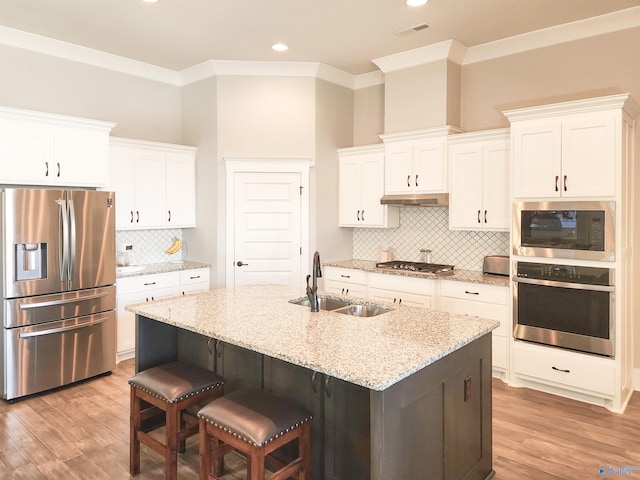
(58, 286)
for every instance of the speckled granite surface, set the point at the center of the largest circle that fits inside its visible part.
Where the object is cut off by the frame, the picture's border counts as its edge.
(374, 352)
(458, 275)
(152, 268)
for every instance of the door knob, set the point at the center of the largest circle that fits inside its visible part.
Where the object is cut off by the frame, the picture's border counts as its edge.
(240, 264)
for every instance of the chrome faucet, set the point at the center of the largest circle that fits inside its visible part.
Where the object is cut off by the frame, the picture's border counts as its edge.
(312, 292)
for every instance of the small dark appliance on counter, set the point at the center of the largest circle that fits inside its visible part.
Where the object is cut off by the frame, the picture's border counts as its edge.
(428, 268)
(496, 265)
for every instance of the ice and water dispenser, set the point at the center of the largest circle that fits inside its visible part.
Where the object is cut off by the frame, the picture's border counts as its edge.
(31, 261)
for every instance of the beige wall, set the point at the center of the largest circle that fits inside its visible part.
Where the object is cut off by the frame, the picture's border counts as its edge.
(368, 115)
(266, 116)
(199, 126)
(593, 67)
(416, 97)
(141, 108)
(334, 129)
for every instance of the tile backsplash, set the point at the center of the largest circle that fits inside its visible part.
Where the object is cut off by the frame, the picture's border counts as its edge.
(428, 228)
(149, 245)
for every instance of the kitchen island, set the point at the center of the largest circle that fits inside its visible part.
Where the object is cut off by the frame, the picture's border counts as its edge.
(402, 395)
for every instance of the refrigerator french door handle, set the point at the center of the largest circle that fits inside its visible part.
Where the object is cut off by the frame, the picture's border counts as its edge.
(53, 303)
(72, 239)
(62, 329)
(64, 236)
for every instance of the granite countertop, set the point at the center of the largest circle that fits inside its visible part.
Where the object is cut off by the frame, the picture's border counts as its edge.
(373, 352)
(471, 276)
(151, 268)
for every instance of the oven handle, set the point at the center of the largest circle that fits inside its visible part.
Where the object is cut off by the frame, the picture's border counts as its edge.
(576, 286)
(62, 329)
(52, 303)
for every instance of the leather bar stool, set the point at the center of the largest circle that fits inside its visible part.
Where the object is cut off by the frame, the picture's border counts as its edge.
(170, 388)
(254, 423)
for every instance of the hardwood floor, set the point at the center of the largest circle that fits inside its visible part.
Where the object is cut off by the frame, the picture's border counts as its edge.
(82, 432)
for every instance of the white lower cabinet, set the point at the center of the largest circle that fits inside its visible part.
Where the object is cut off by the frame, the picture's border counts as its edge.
(487, 301)
(146, 288)
(586, 374)
(345, 281)
(415, 292)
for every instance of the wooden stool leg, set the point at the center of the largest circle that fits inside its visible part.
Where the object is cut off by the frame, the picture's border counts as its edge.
(204, 450)
(134, 426)
(171, 451)
(255, 464)
(304, 445)
(182, 446)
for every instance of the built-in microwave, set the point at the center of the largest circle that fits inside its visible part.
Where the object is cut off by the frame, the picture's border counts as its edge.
(578, 230)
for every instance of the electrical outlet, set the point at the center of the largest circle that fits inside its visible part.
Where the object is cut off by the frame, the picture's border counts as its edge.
(467, 388)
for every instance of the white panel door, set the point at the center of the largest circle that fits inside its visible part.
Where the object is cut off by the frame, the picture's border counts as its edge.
(267, 228)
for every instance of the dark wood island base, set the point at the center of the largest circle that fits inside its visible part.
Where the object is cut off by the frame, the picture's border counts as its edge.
(433, 424)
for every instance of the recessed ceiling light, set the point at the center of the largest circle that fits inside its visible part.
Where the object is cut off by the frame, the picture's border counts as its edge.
(415, 3)
(280, 47)
(149, 1)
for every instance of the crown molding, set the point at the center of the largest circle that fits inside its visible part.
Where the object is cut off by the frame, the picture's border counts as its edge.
(88, 56)
(450, 49)
(568, 32)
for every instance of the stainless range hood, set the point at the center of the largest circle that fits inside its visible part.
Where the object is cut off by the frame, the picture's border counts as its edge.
(417, 200)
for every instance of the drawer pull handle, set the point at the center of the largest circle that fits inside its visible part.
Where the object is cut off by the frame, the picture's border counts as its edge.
(345, 276)
(561, 370)
(194, 278)
(471, 293)
(150, 283)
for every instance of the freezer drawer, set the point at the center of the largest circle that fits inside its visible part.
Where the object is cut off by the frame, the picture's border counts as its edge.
(20, 312)
(53, 354)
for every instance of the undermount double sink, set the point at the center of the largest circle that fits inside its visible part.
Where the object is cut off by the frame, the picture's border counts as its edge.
(346, 307)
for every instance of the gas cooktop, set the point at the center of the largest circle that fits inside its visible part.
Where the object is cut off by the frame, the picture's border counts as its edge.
(430, 268)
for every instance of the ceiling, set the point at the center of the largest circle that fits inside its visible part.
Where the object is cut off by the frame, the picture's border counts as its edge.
(345, 34)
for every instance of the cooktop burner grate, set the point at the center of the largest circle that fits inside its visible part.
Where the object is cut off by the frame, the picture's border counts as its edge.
(434, 268)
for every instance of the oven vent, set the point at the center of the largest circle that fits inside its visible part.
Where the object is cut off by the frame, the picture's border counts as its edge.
(414, 29)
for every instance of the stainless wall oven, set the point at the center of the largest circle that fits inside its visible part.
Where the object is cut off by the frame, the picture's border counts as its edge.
(565, 306)
(577, 230)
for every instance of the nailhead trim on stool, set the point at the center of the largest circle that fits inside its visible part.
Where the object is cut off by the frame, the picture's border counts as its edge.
(171, 388)
(255, 423)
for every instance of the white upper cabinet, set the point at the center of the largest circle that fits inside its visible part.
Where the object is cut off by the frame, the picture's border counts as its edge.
(479, 181)
(154, 184)
(416, 162)
(53, 150)
(361, 185)
(566, 150)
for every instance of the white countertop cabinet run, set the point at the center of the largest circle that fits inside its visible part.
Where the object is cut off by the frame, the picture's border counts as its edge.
(147, 288)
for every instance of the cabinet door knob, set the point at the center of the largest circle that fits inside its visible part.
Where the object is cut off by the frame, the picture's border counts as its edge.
(362, 215)
(240, 264)
(557, 182)
(485, 216)
(561, 370)
(169, 211)
(46, 173)
(565, 183)
(150, 283)
(358, 215)
(399, 301)
(408, 180)
(416, 180)
(137, 216)
(479, 217)
(471, 293)
(131, 216)
(58, 165)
